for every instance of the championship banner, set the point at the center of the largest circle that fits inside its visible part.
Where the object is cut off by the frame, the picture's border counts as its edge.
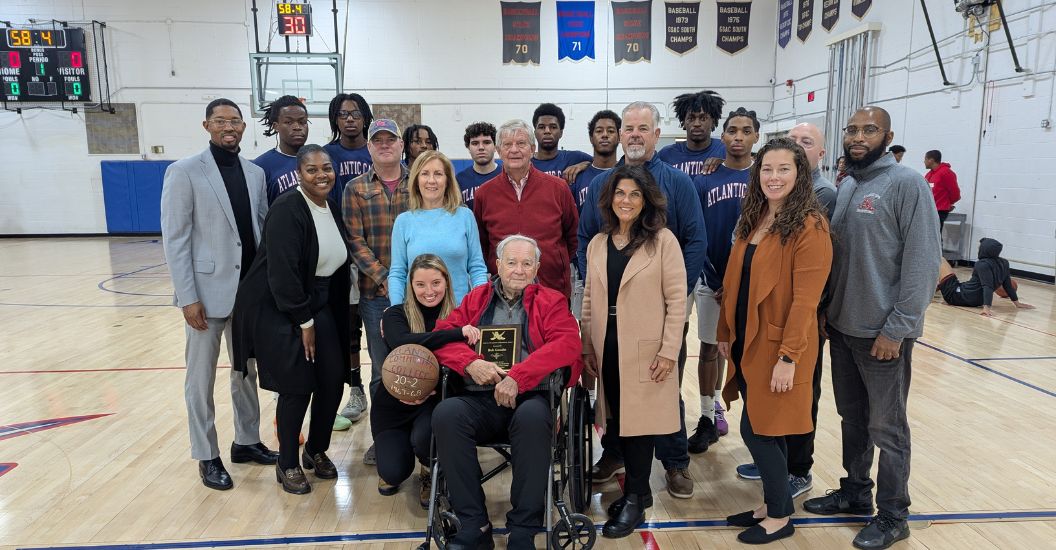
(860, 7)
(681, 25)
(575, 30)
(830, 13)
(520, 33)
(732, 35)
(784, 22)
(805, 23)
(632, 37)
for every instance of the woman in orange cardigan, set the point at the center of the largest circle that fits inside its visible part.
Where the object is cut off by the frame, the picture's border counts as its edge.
(768, 325)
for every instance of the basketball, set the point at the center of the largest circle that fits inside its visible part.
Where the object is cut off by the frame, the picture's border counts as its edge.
(410, 372)
(1001, 290)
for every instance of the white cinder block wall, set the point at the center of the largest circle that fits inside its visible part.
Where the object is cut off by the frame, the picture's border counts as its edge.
(988, 126)
(446, 56)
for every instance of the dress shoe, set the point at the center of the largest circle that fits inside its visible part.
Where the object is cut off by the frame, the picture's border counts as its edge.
(758, 535)
(837, 502)
(214, 475)
(323, 466)
(256, 452)
(618, 504)
(744, 519)
(293, 480)
(630, 517)
(386, 490)
(469, 540)
(425, 494)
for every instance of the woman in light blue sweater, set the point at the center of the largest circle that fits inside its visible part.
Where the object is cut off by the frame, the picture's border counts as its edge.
(435, 223)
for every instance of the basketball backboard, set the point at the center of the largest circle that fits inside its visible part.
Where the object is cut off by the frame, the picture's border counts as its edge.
(314, 77)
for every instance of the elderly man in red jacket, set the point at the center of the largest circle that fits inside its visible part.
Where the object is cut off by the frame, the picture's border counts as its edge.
(523, 200)
(943, 184)
(500, 404)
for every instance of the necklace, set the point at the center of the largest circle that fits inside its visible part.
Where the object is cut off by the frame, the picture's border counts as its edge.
(620, 241)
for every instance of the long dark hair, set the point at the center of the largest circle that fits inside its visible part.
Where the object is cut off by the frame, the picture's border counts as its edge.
(799, 204)
(653, 217)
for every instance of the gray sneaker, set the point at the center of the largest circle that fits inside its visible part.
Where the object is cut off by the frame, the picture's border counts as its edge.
(356, 407)
(799, 485)
(370, 457)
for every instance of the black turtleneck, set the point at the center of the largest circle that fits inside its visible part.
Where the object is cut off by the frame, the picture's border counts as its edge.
(238, 194)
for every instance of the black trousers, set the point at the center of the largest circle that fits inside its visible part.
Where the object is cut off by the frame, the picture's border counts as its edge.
(355, 324)
(459, 423)
(770, 454)
(637, 451)
(397, 449)
(801, 446)
(329, 384)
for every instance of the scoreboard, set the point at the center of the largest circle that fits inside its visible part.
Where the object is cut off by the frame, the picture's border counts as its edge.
(44, 65)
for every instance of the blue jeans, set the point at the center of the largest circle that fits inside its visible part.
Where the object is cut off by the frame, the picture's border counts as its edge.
(871, 398)
(371, 310)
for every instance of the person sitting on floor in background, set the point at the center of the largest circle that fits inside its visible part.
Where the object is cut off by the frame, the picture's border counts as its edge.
(989, 274)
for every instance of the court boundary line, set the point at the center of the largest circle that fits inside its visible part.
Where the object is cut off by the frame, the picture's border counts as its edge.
(101, 285)
(987, 369)
(659, 525)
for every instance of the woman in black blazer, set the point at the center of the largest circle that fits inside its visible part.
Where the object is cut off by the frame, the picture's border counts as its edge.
(291, 314)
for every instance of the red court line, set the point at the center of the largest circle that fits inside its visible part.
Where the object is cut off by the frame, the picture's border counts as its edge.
(6, 467)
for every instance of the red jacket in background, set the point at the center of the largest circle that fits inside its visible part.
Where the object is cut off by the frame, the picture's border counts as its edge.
(546, 212)
(944, 188)
(552, 331)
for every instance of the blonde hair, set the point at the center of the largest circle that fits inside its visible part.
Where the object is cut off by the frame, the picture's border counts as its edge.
(452, 193)
(410, 303)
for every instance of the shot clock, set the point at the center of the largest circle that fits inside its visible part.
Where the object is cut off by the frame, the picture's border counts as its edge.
(44, 65)
(294, 19)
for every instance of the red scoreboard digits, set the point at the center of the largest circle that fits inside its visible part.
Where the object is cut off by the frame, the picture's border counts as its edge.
(294, 19)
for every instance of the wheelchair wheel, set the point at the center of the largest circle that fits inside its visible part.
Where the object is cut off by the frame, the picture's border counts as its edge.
(574, 533)
(580, 449)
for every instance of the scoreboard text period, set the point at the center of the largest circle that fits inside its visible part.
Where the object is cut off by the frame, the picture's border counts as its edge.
(44, 65)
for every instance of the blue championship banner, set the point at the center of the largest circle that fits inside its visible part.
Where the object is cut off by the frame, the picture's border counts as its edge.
(575, 30)
(784, 22)
(520, 33)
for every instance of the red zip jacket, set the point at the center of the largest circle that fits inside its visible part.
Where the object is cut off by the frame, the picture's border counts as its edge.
(552, 331)
(944, 188)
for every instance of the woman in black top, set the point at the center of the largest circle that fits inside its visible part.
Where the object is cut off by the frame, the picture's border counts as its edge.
(291, 314)
(401, 429)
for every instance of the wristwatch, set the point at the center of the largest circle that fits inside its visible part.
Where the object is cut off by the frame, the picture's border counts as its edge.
(786, 359)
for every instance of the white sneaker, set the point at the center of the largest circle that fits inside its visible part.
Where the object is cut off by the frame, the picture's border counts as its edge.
(356, 408)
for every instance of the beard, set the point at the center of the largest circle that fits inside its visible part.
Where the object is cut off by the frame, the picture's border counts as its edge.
(635, 152)
(871, 156)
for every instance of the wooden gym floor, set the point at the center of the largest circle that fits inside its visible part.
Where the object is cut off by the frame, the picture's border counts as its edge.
(94, 449)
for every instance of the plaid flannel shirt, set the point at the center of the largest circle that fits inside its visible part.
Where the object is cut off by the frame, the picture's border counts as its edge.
(369, 215)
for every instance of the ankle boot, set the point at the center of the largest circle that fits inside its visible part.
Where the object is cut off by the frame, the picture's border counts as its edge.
(630, 517)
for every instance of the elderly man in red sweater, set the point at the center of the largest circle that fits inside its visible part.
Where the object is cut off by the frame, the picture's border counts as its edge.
(943, 184)
(522, 200)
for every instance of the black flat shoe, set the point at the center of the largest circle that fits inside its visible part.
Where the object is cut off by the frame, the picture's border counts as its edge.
(618, 504)
(758, 535)
(323, 466)
(744, 519)
(214, 475)
(256, 452)
(293, 480)
(630, 517)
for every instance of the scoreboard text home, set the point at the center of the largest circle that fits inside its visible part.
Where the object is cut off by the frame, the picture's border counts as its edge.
(44, 65)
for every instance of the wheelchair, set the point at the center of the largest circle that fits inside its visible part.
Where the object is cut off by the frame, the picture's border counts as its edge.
(570, 465)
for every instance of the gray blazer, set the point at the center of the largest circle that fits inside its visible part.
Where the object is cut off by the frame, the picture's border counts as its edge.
(199, 234)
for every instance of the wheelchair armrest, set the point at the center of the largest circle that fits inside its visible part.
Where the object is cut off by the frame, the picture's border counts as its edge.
(557, 381)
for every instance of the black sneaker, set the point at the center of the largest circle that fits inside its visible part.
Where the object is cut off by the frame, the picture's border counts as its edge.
(703, 436)
(837, 502)
(883, 531)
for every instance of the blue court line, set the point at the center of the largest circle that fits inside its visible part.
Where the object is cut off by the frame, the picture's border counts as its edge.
(973, 363)
(940, 517)
(1013, 358)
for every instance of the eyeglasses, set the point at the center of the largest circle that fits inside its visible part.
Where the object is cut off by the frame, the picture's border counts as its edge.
(222, 122)
(356, 115)
(869, 130)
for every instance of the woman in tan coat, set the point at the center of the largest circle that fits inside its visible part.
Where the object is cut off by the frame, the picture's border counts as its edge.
(768, 325)
(635, 274)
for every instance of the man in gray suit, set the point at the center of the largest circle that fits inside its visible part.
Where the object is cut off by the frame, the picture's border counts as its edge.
(212, 213)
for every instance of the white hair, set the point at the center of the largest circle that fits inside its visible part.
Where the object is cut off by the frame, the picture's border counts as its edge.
(511, 127)
(638, 105)
(515, 238)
